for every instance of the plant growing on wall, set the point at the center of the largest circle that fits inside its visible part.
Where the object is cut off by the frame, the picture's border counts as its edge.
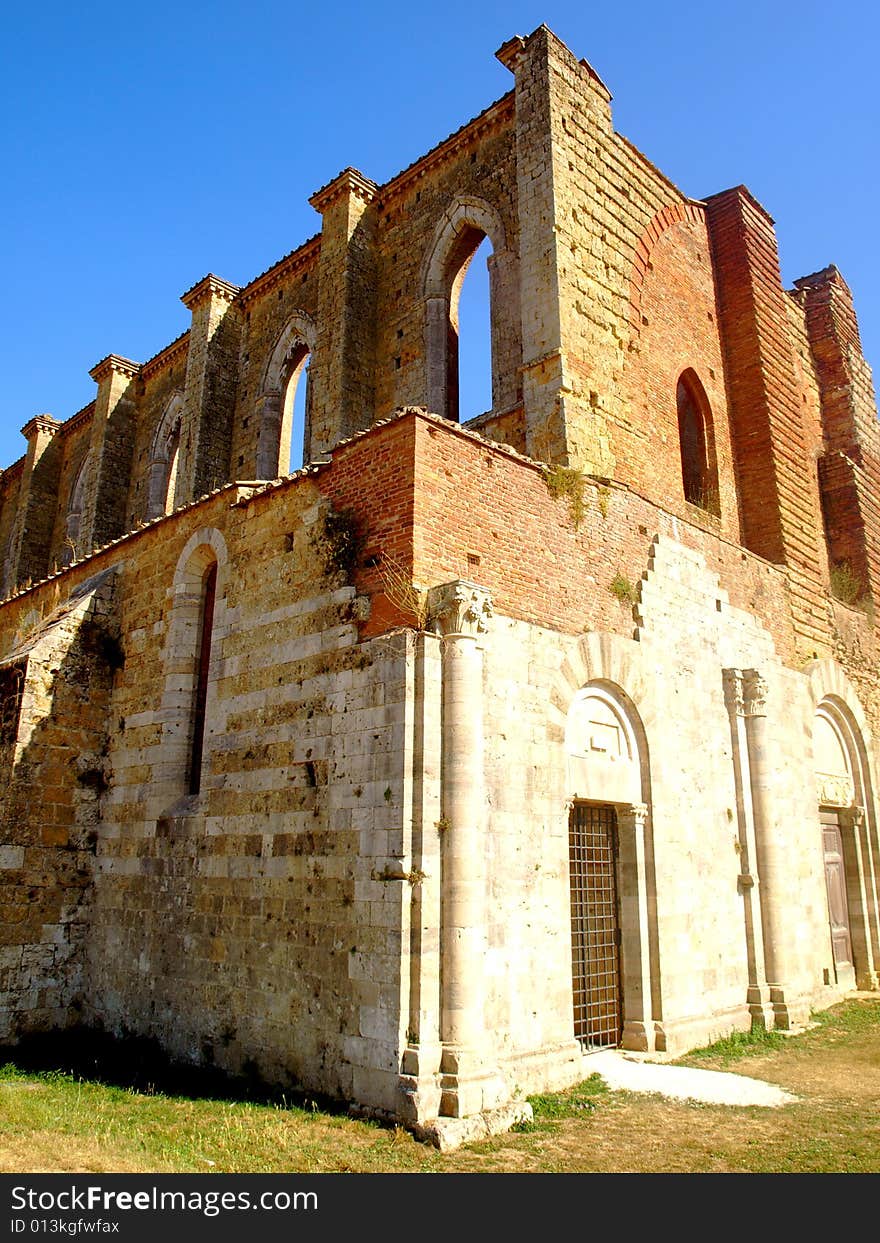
(622, 589)
(846, 586)
(338, 541)
(566, 483)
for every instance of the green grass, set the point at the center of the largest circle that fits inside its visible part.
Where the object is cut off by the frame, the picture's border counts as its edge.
(739, 1044)
(576, 1102)
(54, 1120)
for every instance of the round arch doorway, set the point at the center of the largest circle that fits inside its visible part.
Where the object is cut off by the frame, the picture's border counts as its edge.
(610, 871)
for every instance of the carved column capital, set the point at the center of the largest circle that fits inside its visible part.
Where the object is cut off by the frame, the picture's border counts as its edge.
(634, 817)
(459, 609)
(852, 818)
(754, 693)
(734, 695)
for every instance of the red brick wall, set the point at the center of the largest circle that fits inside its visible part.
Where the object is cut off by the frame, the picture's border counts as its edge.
(674, 329)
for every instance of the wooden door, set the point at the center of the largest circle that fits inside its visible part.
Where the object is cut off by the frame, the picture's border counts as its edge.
(835, 881)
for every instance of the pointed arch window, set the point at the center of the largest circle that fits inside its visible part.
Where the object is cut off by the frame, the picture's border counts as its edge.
(699, 470)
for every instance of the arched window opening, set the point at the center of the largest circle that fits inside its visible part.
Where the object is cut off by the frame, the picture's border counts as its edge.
(699, 471)
(294, 413)
(163, 491)
(472, 326)
(171, 471)
(73, 522)
(471, 241)
(470, 319)
(200, 698)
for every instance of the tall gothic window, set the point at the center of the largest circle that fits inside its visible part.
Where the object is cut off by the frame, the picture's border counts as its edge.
(200, 697)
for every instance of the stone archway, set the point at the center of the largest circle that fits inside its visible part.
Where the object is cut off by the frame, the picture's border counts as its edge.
(842, 796)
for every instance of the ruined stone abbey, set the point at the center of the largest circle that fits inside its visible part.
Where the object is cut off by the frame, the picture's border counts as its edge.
(486, 738)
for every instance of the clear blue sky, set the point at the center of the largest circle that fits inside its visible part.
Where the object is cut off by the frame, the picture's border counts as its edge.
(145, 145)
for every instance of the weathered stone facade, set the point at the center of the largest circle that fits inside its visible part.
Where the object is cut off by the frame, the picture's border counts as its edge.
(295, 765)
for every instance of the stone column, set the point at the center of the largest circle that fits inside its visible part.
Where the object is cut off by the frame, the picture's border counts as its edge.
(758, 994)
(460, 612)
(639, 1030)
(771, 863)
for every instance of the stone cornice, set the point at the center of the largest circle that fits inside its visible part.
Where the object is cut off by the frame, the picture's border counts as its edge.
(78, 419)
(12, 472)
(510, 52)
(114, 363)
(349, 181)
(40, 423)
(209, 286)
(166, 356)
(501, 111)
(304, 256)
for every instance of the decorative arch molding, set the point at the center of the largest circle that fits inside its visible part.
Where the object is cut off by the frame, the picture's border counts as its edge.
(163, 456)
(299, 330)
(202, 546)
(465, 213)
(660, 223)
(295, 343)
(605, 658)
(826, 680)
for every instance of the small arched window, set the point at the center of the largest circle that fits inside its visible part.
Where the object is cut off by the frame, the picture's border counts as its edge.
(699, 471)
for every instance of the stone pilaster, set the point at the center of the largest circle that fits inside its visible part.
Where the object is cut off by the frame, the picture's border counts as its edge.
(211, 382)
(639, 1029)
(111, 444)
(470, 1082)
(28, 559)
(770, 859)
(340, 374)
(861, 894)
(758, 994)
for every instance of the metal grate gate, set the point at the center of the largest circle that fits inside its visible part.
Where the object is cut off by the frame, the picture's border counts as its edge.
(595, 937)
